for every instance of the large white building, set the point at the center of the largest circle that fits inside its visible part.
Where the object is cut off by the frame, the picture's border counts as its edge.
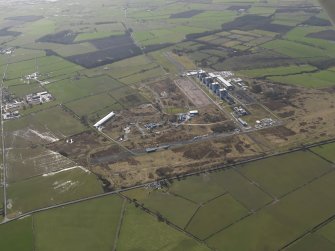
(104, 120)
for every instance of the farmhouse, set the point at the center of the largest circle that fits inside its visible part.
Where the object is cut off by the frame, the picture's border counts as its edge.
(104, 120)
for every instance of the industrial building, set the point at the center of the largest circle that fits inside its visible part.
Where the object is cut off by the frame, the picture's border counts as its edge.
(225, 83)
(38, 98)
(104, 120)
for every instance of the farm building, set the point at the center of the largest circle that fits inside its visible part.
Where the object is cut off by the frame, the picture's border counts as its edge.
(104, 120)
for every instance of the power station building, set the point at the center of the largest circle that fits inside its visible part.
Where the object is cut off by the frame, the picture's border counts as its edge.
(104, 120)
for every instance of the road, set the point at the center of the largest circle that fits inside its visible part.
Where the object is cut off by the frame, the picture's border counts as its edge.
(4, 164)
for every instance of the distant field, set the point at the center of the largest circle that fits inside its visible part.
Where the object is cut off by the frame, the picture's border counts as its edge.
(95, 35)
(50, 66)
(92, 105)
(68, 90)
(21, 90)
(277, 71)
(320, 79)
(295, 50)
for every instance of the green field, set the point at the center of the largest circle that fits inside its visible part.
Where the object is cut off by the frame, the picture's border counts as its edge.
(193, 188)
(46, 118)
(275, 226)
(50, 65)
(295, 50)
(320, 79)
(85, 226)
(51, 189)
(278, 71)
(17, 235)
(27, 162)
(175, 209)
(244, 191)
(96, 35)
(39, 128)
(98, 104)
(150, 235)
(282, 174)
(326, 151)
(70, 89)
(216, 215)
(311, 243)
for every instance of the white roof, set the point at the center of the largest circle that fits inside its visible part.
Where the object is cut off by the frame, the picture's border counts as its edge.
(223, 81)
(211, 74)
(104, 119)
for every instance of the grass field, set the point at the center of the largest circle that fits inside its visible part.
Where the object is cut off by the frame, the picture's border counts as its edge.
(92, 105)
(148, 234)
(193, 188)
(326, 151)
(21, 90)
(87, 226)
(17, 235)
(216, 215)
(49, 65)
(320, 79)
(52, 189)
(70, 89)
(283, 221)
(312, 242)
(68, 126)
(175, 209)
(295, 50)
(282, 174)
(39, 128)
(244, 191)
(96, 35)
(277, 71)
(27, 162)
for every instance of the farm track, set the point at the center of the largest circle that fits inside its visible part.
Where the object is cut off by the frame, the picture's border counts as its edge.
(118, 230)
